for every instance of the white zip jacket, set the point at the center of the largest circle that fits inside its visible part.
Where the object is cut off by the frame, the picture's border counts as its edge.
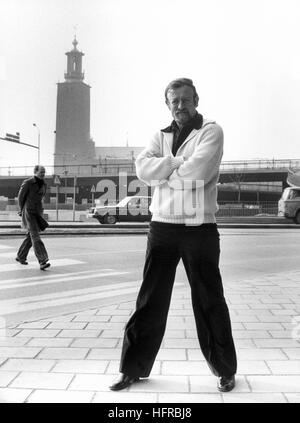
(185, 185)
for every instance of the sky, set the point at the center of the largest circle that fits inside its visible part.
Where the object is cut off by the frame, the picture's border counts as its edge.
(243, 56)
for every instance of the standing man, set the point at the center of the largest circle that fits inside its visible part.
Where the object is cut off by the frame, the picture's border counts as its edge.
(182, 161)
(30, 198)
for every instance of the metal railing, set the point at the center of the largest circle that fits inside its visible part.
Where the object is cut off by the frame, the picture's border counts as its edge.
(114, 167)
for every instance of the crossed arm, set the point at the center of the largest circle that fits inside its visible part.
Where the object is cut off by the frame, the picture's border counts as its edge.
(155, 169)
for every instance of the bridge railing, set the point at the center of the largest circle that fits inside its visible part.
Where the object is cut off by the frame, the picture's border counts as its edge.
(114, 167)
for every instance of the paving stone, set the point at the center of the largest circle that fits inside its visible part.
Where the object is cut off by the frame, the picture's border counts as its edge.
(64, 353)
(273, 343)
(124, 397)
(190, 398)
(115, 319)
(106, 326)
(159, 384)
(261, 354)
(130, 305)
(34, 325)
(112, 334)
(250, 334)
(88, 318)
(91, 382)
(254, 367)
(122, 312)
(94, 311)
(292, 353)
(63, 318)
(67, 325)
(2, 360)
(50, 342)
(284, 367)
(113, 367)
(104, 354)
(171, 354)
(244, 343)
(277, 319)
(39, 380)
(18, 352)
(263, 326)
(6, 377)
(209, 384)
(280, 334)
(58, 396)
(244, 318)
(292, 398)
(195, 354)
(188, 368)
(80, 366)
(253, 398)
(27, 365)
(180, 343)
(13, 342)
(38, 333)
(95, 342)
(8, 395)
(84, 333)
(286, 312)
(273, 383)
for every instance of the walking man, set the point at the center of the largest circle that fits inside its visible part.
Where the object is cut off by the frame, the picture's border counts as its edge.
(30, 198)
(182, 161)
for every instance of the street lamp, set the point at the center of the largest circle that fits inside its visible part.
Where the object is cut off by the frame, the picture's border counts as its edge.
(39, 139)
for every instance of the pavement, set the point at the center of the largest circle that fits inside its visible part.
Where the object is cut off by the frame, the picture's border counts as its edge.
(74, 357)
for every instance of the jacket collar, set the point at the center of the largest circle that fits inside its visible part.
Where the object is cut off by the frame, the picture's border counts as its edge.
(195, 123)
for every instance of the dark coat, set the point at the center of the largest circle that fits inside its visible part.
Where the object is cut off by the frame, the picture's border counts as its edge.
(30, 202)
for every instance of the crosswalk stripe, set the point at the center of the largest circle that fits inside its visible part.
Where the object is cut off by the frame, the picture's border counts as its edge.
(67, 278)
(8, 254)
(33, 265)
(45, 276)
(5, 247)
(66, 297)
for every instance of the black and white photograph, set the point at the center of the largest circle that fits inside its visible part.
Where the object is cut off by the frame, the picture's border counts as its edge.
(149, 205)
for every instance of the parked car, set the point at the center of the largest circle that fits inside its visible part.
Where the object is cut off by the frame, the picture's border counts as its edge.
(289, 204)
(130, 209)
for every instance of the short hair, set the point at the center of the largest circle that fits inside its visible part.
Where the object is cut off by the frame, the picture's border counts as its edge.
(180, 82)
(37, 168)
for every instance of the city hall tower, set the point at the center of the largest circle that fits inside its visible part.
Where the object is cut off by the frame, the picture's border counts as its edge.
(73, 143)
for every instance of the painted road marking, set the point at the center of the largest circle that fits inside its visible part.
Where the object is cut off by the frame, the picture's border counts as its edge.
(33, 265)
(66, 278)
(67, 297)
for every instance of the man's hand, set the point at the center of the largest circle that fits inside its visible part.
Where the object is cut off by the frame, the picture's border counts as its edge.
(20, 213)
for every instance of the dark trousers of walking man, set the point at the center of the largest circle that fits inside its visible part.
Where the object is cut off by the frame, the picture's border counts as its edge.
(198, 247)
(33, 239)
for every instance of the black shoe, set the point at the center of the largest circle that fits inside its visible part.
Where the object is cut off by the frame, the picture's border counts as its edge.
(124, 382)
(21, 261)
(44, 265)
(226, 384)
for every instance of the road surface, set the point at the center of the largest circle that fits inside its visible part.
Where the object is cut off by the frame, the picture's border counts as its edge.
(89, 271)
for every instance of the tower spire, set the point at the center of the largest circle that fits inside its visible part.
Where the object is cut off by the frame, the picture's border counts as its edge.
(74, 63)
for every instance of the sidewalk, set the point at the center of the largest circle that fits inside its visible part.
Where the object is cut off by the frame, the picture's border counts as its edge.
(75, 357)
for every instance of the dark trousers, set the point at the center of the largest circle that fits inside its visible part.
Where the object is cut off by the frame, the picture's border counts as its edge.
(33, 238)
(198, 247)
